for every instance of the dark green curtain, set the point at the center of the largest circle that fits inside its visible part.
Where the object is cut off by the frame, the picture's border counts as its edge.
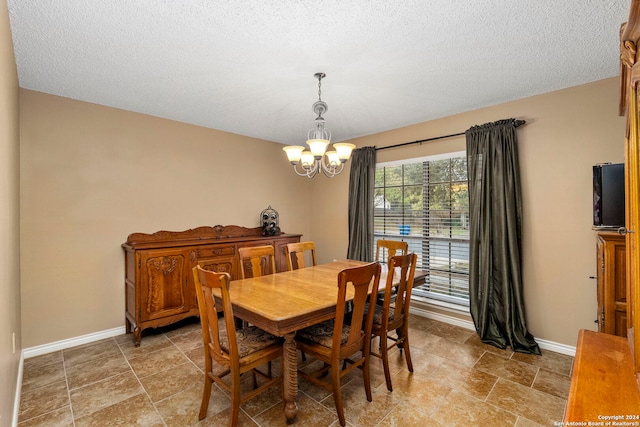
(361, 186)
(495, 259)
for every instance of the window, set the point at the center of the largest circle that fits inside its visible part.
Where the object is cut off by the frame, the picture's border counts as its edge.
(426, 203)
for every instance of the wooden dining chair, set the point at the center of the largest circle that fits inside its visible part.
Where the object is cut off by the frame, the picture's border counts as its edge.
(236, 351)
(390, 247)
(336, 341)
(391, 321)
(296, 253)
(256, 261)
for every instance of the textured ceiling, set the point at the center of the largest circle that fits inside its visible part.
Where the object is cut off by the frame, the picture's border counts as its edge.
(247, 66)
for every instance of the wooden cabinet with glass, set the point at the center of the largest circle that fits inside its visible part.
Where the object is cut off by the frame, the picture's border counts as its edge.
(605, 380)
(159, 288)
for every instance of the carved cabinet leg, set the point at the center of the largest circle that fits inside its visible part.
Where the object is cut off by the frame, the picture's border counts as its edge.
(137, 332)
(290, 377)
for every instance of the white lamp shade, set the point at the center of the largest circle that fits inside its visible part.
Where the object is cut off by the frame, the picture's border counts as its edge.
(318, 147)
(307, 159)
(344, 150)
(294, 152)
(333, 158)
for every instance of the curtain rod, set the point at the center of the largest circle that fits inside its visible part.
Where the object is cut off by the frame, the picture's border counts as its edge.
(518, 123)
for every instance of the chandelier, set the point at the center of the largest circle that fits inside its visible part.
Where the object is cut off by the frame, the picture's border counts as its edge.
(310, 162)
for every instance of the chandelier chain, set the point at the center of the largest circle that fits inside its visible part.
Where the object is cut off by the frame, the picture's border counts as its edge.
(319, 88)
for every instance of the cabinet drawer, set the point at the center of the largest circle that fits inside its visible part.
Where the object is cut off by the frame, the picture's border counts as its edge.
(219, 265)
(215, 251)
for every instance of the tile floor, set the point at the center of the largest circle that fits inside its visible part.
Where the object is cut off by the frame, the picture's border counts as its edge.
(457, 381)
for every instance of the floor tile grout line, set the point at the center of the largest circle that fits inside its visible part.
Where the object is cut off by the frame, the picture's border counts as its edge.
(537, 372)
(280, 402)
(93, 382)
(96, 382)
(387, 415)
(66, 381)
(533, 381)
(442, 401)
(516, 383)
(140, 383)
(43, 414)
(485, 399)
(201, 373)
(185, 354)
(36, 388)
(492, 387)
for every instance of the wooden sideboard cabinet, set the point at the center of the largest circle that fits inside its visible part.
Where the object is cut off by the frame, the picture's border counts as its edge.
(159, 288)
(612, 288)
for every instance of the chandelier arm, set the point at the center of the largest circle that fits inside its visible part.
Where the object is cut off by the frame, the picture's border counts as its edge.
(331, 171)
(315, 169)
(295, 169)
(308, 172)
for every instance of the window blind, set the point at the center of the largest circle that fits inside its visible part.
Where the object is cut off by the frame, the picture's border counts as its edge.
(426, 204)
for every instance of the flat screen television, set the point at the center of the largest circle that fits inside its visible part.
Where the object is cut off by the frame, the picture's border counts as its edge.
(608, 195)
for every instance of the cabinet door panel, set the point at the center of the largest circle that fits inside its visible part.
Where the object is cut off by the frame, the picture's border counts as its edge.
(166, 292)
(621, 322)
(600, 283)
(612, 301)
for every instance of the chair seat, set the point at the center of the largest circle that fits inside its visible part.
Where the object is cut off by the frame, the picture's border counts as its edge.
(322, 333)
(377, 315)
(250, 340)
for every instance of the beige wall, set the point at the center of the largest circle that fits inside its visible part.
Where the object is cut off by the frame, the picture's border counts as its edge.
(91, 175)
(9, 222)
(566, 133)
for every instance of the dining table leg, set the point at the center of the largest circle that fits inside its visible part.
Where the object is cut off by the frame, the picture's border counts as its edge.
(290, 377)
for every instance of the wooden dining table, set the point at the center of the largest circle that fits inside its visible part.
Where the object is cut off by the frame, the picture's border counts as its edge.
(286, 302)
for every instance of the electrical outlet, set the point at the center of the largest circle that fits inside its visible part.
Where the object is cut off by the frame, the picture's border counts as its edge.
(13, 342)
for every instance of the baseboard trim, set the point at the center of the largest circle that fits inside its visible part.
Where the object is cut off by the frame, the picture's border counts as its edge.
(557, 347)
(109, 333)
(16, 399)
(72, 342)
(544, 344)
